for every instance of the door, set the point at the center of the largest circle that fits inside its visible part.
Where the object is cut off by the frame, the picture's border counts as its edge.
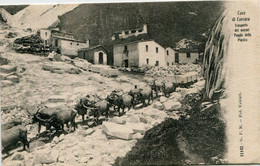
(56, 43)
(100, 58)
(176, 57)
(84, 55)
(126, 62)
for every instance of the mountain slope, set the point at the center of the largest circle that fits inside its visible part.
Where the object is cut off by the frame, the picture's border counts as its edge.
(167, 22)
(41, 16)
(36, 16)
(5, 16)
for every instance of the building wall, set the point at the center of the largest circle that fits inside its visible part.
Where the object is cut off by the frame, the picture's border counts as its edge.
(134, 32)
(133, 55)
(92, 56)
(96, 57)
(170, 57)
(45, 36)
(120, 55)
(151, 54)
(88, 55)
(71, 48)
(183, 57)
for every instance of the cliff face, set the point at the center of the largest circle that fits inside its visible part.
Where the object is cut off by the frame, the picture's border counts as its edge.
(167, 22)
(34, 16)
(214, 57)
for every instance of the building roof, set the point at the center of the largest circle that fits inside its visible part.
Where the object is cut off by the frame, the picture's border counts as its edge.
(61, 33)
(136, 41)
(93, 47)
(186, 50)
(69, 39)
(65, 36)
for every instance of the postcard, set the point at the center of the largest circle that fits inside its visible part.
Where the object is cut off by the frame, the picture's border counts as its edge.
(130, 83)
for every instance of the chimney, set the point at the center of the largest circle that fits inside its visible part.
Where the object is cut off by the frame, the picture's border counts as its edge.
(87, 41)
(145, 28)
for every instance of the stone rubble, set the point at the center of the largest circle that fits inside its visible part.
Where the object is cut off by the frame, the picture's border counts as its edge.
(81, 63)
(117, 130)
(163, 72)
(100, 145)
(172, 106)
(8, 75)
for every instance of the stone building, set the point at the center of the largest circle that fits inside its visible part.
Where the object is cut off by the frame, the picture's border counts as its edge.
(139, 53)
(96, 55)
(63, 42)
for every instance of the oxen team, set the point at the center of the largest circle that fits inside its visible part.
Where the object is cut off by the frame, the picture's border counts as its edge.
(13, 132)
(119, 100)
(55, 118)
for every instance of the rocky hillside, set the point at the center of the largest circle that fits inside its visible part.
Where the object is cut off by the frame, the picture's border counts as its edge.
(13, 9)
(167, 22)
(34, 16)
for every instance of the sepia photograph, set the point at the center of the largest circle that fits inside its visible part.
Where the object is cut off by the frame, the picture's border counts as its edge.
(130, 83)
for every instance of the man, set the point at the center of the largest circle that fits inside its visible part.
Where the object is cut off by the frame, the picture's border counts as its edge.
(136, 93)
(90, 100)
(135, 90)
(51, 55)
(113, 95)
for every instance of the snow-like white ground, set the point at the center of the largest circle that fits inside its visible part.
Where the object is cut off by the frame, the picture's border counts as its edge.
(37, 16)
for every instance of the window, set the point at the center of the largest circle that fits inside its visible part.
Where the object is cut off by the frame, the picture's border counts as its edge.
(117, 36)
(188, 55)
(125, 48)
(70, 43)
(167, 52)
(133, 31)
(157, 63)
(176, 57)
(140, 30)
(157, 50)
(172, 63)
(126, 32)
(77, 44)
(56, 42)
(147, 61)
(146, 48)
(46, 34)
(168, 64)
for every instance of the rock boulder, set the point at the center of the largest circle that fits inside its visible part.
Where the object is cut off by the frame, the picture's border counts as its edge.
(137, 127)
(172, 105)
(56, 99)
(117, 120)
(109, 72)
(13, 78)
(83, 64)
(5, 83)
(163, 99)
(158, 105)
(7, 69)
(117, 130)
(14, 163)
(46, 156)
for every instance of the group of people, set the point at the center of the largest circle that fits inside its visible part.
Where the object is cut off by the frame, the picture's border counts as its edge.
(54, 56)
